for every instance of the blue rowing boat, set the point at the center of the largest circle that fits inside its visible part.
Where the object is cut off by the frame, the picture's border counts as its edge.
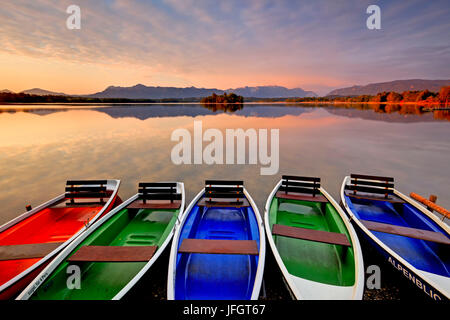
(411, 238)
(218, 250)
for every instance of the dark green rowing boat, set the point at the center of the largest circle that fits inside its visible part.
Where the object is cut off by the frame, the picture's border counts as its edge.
(313, 242)
(108, 259)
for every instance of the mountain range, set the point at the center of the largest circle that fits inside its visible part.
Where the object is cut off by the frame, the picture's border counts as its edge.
(140, 91)
(37, 91)
(41, 92)
(397, 86)
(144, 92)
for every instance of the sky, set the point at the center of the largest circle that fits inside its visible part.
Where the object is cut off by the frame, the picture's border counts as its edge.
(315, 45)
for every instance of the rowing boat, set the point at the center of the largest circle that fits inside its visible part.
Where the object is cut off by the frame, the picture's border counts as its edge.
(411, 239)
(219, 250)
(313, 242)
(115, 252)
(29, 242)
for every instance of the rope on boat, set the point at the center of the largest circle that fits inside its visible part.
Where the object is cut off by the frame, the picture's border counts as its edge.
(431, 205)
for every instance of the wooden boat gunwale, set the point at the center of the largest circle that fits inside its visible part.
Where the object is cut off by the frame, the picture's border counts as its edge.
(62, 256)
(358, 287)
(174, 249)
(383, 246)
(113, 183)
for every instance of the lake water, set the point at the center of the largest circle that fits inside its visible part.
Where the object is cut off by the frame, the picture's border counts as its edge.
(43, 146)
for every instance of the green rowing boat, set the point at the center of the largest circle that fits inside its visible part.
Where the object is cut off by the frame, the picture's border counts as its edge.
(108, 259)
(313, 242)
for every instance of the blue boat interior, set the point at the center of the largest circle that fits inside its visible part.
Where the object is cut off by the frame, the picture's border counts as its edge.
(424, 255)
(201, 276)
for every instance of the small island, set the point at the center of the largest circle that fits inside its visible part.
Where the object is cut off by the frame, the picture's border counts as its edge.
(223, 99)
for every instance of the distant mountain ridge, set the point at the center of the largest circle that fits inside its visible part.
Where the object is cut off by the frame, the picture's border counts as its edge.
(42, 92)
(271, 92)
(397, 86)
(146, 92)
(140, 91)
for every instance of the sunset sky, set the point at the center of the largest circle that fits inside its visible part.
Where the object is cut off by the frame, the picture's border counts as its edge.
(315, 45)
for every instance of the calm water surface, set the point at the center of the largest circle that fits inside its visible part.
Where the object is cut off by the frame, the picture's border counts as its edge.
(43, 146)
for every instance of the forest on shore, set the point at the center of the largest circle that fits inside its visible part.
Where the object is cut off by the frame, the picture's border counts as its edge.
(424, 97)
(419, 97)
(8, 97)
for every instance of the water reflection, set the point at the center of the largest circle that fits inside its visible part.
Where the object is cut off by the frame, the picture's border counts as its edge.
(378, 112)
(224, 107)
(41, 149)
(144, 112)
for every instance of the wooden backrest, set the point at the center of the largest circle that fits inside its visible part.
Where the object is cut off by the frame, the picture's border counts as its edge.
(224, 182)
(219, 190)
(371, 184)
(158, 191)
(87, 189)
(297, 184)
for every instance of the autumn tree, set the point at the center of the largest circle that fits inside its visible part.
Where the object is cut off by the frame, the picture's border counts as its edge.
(423, 95)
(394, 97)
(380, 97)
(444, 94)
(410, 96)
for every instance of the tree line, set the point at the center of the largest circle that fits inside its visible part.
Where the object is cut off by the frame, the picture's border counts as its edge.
(424, 96)
(8, 97)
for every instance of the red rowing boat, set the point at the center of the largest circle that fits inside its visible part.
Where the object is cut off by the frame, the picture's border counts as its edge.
(29, 242)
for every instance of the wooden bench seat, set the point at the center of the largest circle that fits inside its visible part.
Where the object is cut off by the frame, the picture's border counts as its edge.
(27, 251)
(301, 197)
(209, 246)
(391, 198)
(113, 254)
(223, 202)
(406, 231)
(311, 235)
(139, 204)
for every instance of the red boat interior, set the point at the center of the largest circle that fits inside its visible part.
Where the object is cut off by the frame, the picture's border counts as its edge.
(50, 225)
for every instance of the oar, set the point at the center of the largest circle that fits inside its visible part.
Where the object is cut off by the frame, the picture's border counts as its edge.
(431, 205)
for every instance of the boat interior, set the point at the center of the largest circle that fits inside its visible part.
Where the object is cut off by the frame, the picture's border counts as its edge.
(26, 242)
(309, 233)
(114, 253)
(218, 247)
(398, 224)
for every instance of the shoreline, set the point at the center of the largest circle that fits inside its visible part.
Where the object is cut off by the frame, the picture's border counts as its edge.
(411, 106)
(233, 103)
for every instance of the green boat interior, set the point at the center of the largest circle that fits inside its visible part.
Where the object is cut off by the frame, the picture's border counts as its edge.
(320, 251)
(103, 280)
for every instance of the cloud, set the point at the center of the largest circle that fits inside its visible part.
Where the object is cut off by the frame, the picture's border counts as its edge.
(232, 43)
